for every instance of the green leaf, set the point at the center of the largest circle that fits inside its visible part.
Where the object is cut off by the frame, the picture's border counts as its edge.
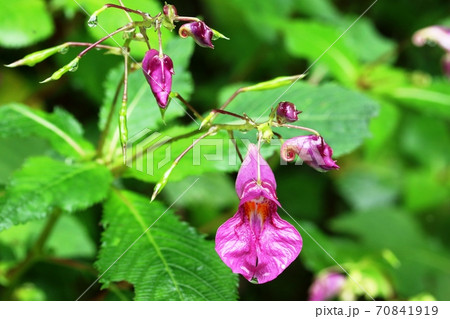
(339, 114)
(17, 149)
(322, 9)
(432, 99)
(367, 188)
(383, 127)
(68, 239)
(143, 111)
(24, 22)
(365, 41)
(425, 189)
(44, 184)
(60, 128)
(422, 138)
(169, 262)
(313, 40)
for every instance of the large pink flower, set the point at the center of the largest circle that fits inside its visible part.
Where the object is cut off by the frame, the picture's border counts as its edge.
(256, 242)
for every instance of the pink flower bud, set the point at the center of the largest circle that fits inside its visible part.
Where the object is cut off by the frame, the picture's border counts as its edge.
(158, 72)
(170, 11)
(311, 149)
(199, 31)
(287, 112)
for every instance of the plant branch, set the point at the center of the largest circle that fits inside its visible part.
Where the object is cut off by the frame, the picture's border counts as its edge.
(125, 27)
(297, 127)
(189, 106)
(231, 134)
(101, 142)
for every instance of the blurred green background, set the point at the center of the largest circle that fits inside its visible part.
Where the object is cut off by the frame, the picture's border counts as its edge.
(384, 216)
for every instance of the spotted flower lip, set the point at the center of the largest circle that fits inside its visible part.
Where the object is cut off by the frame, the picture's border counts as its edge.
(437, 34)
(199, 31)
(158, 71)
(256, 242)
(311, 149)
(326, 286)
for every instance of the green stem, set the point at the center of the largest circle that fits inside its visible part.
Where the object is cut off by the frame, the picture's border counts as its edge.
(126, 12)
(101, 142)
(190, 107)
(231, 134)
(93, 45)
(297, 127)
(123, 129)
(185, 19)
(34, 254)
(87, 44)
(110, 5)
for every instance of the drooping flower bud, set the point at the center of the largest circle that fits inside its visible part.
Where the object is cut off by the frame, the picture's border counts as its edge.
(170, 11)
(287, 112)
(311, 149)
(326, 286)
(199, 31)
(158, 72)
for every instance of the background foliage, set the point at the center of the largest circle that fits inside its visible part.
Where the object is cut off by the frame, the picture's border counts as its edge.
(381, 103)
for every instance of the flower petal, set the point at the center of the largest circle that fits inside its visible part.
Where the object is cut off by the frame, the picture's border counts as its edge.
(311, 149)
(436, 34)
(249, 171)
(235, 244)
(258, 258)
(279, 245)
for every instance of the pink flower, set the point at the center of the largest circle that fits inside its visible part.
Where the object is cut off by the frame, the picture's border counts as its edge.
(312, 149)
(436, 34)
(158, 72)
(326, 286)
(199, 31)
(256, 242)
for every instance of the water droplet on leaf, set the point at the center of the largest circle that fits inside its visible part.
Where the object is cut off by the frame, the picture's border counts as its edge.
(73, 66)
(93, 21)
(63, 50)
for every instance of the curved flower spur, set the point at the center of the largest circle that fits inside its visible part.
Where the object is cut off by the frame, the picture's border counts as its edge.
(256, 242)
